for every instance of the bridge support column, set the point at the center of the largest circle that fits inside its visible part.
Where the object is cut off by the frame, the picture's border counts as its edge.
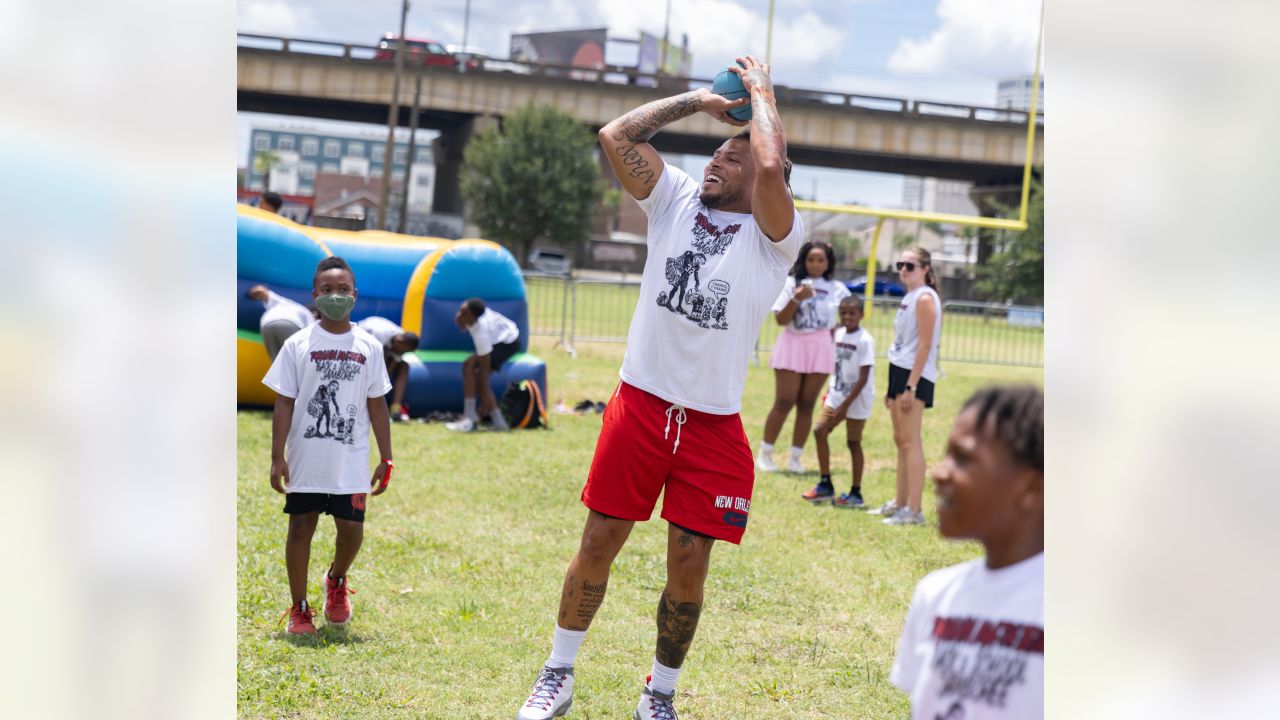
(992, 201)
(447, 151)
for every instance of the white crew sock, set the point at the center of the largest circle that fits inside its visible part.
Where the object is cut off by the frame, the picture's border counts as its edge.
(663, 679)
(564, 647)
(499, 422)
(796, 452)
(469, 409)
(766, 448)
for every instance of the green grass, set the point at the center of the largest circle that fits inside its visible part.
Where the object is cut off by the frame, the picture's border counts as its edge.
(603, 310)
(463, 559)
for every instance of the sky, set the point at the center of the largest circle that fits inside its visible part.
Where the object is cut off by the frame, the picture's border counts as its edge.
(943, 50)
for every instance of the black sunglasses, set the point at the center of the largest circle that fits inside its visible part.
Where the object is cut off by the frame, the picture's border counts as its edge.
(910, 266)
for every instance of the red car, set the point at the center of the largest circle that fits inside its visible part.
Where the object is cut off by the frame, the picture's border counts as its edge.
(423, 52)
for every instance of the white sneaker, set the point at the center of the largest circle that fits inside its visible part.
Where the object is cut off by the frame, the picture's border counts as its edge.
(905, 516)
(765, 462)
(887, 509)
(464, 425)
(794, 465)
(551, 697)
(654, 706)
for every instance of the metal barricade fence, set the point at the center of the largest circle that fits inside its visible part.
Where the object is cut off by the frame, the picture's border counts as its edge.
(574, 310)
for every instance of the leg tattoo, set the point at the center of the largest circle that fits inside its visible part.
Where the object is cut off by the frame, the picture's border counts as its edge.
(677, 622)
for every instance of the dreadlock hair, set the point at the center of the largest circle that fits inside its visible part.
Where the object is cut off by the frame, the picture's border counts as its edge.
(333, 263)
(1015, 416)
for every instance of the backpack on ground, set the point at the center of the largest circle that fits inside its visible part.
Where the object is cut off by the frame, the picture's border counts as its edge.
(522, 405)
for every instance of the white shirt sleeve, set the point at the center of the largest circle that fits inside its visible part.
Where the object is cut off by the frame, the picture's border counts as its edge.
(906, 665)
(788, 289)
(480, 337)
(283, 374)
(867, 353)
(785, 250)
(379, 381)
(672, 185)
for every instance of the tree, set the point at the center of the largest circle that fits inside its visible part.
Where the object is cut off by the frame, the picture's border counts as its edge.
(535, 178)
(1015, 271)
(263, 161)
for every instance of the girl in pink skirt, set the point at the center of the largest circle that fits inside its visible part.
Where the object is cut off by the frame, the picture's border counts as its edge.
(804, 355)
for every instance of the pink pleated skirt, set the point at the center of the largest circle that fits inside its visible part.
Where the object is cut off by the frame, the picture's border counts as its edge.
(812, 352)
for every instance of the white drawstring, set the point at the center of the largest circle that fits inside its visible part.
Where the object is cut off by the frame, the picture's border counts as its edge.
(680, 418)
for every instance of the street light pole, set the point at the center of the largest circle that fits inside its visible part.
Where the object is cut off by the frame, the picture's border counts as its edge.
(408, 163)
(666, 41)
(393, 117)
(768, 42)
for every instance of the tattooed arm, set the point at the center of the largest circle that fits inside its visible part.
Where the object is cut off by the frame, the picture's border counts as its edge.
(626, 140)
(771, 202)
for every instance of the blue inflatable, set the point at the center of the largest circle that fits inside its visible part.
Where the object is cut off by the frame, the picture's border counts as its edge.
(416, 282)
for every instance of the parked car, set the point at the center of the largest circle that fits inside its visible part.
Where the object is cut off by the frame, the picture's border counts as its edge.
(549, 261)
(425, 52)
(858, 286)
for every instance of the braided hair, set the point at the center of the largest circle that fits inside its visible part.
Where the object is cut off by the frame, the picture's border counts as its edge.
(1016, 417)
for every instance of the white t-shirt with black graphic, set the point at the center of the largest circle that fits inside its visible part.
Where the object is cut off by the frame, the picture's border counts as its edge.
(973, 643)
(492, 328)
(708, 283)
(331, 377)
(279, 307)
(820, 312)
(906, 333)
(854, 350)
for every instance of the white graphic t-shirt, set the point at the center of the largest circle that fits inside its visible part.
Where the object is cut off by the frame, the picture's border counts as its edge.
(382, 329)
(707, 286)
(282, 308)
(906, 334)
(973, 643)
(492, 328)
(820, 312)
(331, 377)
(854, 350)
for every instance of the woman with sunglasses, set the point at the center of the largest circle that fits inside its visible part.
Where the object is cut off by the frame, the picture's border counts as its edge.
(804, 354)
(913, 368)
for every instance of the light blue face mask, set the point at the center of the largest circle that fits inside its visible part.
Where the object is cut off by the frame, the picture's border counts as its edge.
(335, 306)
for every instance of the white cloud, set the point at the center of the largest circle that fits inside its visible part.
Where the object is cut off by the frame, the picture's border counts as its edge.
(977, 38)
(273, 17)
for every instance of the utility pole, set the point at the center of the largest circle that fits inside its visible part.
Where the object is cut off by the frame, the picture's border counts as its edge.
(666, 41)
(466, 26)
(413, 136)
(768, 41)
(393, 116)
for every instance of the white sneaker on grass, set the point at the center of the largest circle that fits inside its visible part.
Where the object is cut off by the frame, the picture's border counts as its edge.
(765, 462)
(464, 425)
(654, 705)
(887, 509)
(551, 697)
(795, 466)
(905, 516)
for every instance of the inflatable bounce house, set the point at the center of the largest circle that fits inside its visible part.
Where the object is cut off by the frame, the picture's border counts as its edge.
(416, 282)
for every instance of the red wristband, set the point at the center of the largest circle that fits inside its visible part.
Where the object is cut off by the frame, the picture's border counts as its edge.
(386, 478)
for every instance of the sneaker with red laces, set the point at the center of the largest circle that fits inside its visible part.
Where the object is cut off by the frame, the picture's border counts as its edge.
(300, 619)
(337, 600)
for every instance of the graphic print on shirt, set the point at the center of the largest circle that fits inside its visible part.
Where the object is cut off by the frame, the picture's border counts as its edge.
(808, 316)
(333, 366)
(982, 661)
(845, 354)
(710, 239)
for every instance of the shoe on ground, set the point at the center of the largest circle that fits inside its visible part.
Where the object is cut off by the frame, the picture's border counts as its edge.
(464, 425)
(765, 462)
(849, 500)
(819, 493)
(337, 600)
(301, 620)
(551, 696)
(905, 516)
(794, 465)
(654, 706)
(887, 509)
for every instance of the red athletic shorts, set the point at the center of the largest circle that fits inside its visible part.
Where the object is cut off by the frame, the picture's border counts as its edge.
(704, 463)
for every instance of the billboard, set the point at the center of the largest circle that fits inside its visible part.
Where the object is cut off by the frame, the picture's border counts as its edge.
(580, 48)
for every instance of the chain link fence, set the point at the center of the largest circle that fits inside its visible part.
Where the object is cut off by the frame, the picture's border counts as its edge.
(579, 310)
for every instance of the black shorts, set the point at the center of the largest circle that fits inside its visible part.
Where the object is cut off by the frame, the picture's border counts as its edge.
(343, 507)
(898, 380)
(501, 353)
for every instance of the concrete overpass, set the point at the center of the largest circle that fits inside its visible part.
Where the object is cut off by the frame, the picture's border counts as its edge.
(838, 130)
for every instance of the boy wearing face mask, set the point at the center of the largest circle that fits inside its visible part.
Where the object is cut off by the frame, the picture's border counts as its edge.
(333, 368)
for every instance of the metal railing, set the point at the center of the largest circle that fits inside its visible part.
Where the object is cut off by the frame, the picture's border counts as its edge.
(582, 310)
(627, 75)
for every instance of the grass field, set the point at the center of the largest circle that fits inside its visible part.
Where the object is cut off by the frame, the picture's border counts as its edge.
(603, 310)
(463, 559)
